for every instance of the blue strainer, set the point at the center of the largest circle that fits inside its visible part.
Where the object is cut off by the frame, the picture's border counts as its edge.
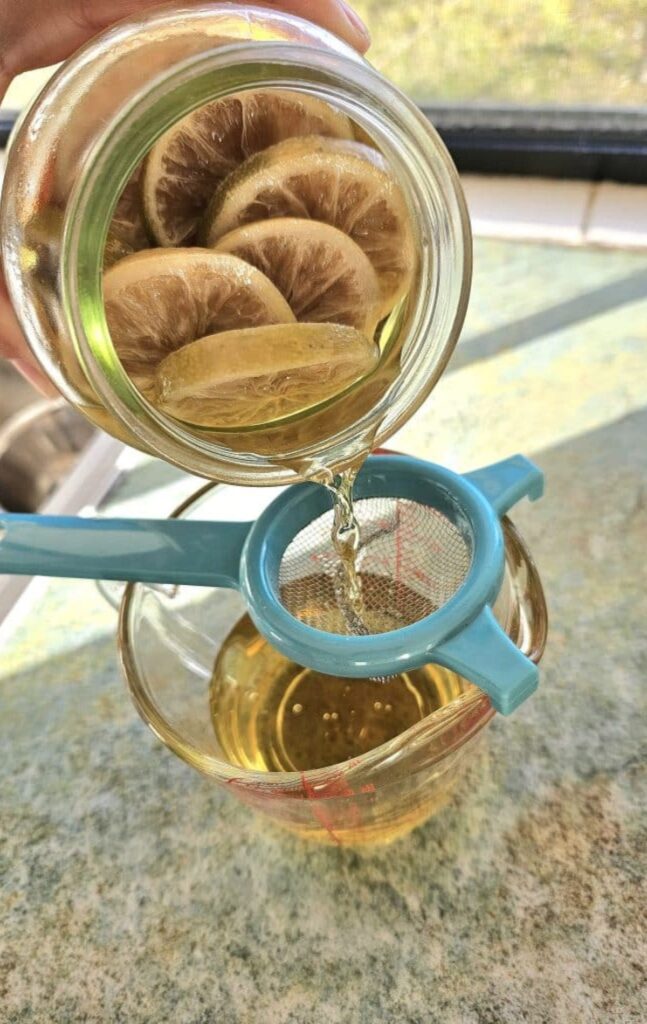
(430, 563)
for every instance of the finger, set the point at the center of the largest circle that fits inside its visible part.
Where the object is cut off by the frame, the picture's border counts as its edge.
(36, 377)
(12, 342)
(335, 15)
(14, 347)
(47, 31)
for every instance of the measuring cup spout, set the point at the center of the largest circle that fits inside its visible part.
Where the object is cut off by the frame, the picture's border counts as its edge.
(133, 550)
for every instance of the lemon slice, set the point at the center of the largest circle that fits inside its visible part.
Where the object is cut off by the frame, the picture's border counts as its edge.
(128, 232)
(184, 168)
(323, 274)
(342, 183)
(247, 378)
(157, 301)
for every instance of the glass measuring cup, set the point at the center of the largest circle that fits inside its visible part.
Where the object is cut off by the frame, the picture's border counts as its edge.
(170, 641)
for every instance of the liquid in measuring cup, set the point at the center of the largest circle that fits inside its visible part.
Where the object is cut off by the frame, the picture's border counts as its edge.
(271, 715)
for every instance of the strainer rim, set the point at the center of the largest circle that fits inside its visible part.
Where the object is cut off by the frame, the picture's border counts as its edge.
(360, 656)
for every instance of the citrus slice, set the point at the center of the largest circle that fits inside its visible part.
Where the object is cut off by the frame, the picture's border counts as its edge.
(157, 301)
(342, 183)
(323, 274)
(250, 377)
(128, 232)
(185, 167)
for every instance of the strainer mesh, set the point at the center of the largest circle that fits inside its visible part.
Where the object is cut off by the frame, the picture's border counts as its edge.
(412, 559)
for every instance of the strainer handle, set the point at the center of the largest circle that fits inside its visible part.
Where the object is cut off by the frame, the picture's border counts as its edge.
(506, 483)
(132, 550)
(485, 654)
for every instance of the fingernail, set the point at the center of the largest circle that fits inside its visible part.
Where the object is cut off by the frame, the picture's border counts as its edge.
(356, 23)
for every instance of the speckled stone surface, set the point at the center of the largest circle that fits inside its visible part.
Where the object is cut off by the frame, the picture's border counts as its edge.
(134, 891)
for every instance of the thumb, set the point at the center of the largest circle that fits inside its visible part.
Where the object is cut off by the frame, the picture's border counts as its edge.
(335, 15)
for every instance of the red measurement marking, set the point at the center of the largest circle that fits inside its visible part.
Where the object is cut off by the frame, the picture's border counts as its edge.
(422, 577)
(318, 811)
(337, 786)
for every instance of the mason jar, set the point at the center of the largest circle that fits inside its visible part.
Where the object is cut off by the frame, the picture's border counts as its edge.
(74, 153)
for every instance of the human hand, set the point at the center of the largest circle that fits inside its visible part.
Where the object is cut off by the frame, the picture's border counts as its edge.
(45, 32)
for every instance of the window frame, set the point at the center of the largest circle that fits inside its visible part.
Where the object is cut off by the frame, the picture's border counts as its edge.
(587, 143)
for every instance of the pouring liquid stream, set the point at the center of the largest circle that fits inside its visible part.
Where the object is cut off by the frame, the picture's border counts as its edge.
(346, 541)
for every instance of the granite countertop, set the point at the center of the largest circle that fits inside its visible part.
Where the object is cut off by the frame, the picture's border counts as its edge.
(133, 890)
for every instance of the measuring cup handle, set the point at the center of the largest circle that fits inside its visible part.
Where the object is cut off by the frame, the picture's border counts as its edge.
(485, 654)
(506, 483)
(132, 550)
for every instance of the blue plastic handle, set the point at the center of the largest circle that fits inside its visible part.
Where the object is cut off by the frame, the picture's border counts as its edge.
(506, 483)
(133, 550)
(485, 654)
(463, 634)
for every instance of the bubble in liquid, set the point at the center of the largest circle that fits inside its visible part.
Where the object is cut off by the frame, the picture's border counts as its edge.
(378, 705)
(297, 709)
(326, 716)
(335, 716)
(388, 707)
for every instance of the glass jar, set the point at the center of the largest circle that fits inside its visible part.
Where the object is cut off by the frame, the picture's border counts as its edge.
(81, 141)
(171, 638)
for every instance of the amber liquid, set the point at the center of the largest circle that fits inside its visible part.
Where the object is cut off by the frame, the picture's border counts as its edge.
(346, 541)
(272, 715)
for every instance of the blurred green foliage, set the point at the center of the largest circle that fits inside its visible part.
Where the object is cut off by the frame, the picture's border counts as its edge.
(509, 51)
(516, 51)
